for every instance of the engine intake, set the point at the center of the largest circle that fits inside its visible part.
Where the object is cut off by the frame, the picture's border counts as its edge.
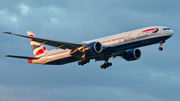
(94, 47)
(133, 54)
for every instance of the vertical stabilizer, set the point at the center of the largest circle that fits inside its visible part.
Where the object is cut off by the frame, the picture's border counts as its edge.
(37, 47)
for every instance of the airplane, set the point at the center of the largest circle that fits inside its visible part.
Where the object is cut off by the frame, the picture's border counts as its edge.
(102, 49)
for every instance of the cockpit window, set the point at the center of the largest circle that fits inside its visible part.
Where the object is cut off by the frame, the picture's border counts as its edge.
(166, 28)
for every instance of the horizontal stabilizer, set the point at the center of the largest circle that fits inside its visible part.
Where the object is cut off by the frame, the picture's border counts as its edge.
(22, 57)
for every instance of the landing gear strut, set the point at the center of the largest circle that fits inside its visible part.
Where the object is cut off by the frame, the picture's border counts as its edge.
(161, 43)
(106, 65)
(83, 61)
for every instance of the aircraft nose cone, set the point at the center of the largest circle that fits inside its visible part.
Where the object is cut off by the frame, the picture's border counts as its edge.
(171, 32)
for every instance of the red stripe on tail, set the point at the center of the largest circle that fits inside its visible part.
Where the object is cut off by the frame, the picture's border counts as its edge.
(30, 38)
(40, 51)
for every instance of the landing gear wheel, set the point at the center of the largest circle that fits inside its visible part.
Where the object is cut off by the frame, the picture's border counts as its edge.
(160, 48)
(106, 65)
(110, 64)
(83, 61)
(79, 63)
(102, 67)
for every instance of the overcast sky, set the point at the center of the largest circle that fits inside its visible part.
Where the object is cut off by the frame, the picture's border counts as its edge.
(154, 77)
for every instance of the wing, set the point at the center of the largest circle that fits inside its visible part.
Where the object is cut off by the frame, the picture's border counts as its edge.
(57, 44)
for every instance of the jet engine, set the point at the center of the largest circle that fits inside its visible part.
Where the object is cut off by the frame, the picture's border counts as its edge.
(93, 48)
(133, 54)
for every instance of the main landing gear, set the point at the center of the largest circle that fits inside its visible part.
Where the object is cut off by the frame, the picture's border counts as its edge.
(106, 65)
(83, 61)
(161, 43)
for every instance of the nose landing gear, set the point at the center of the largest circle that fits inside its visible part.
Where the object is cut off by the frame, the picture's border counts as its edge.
(161, 43)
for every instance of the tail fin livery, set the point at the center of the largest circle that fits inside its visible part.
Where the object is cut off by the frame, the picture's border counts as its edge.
(37, 47)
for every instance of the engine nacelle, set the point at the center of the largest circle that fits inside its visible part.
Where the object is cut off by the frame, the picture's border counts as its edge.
(133, 54)
(94, 47)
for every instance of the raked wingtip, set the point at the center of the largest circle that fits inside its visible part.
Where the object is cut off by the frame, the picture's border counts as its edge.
(7, 32)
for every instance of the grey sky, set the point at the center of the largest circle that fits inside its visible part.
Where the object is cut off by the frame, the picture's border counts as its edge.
(154, 77)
